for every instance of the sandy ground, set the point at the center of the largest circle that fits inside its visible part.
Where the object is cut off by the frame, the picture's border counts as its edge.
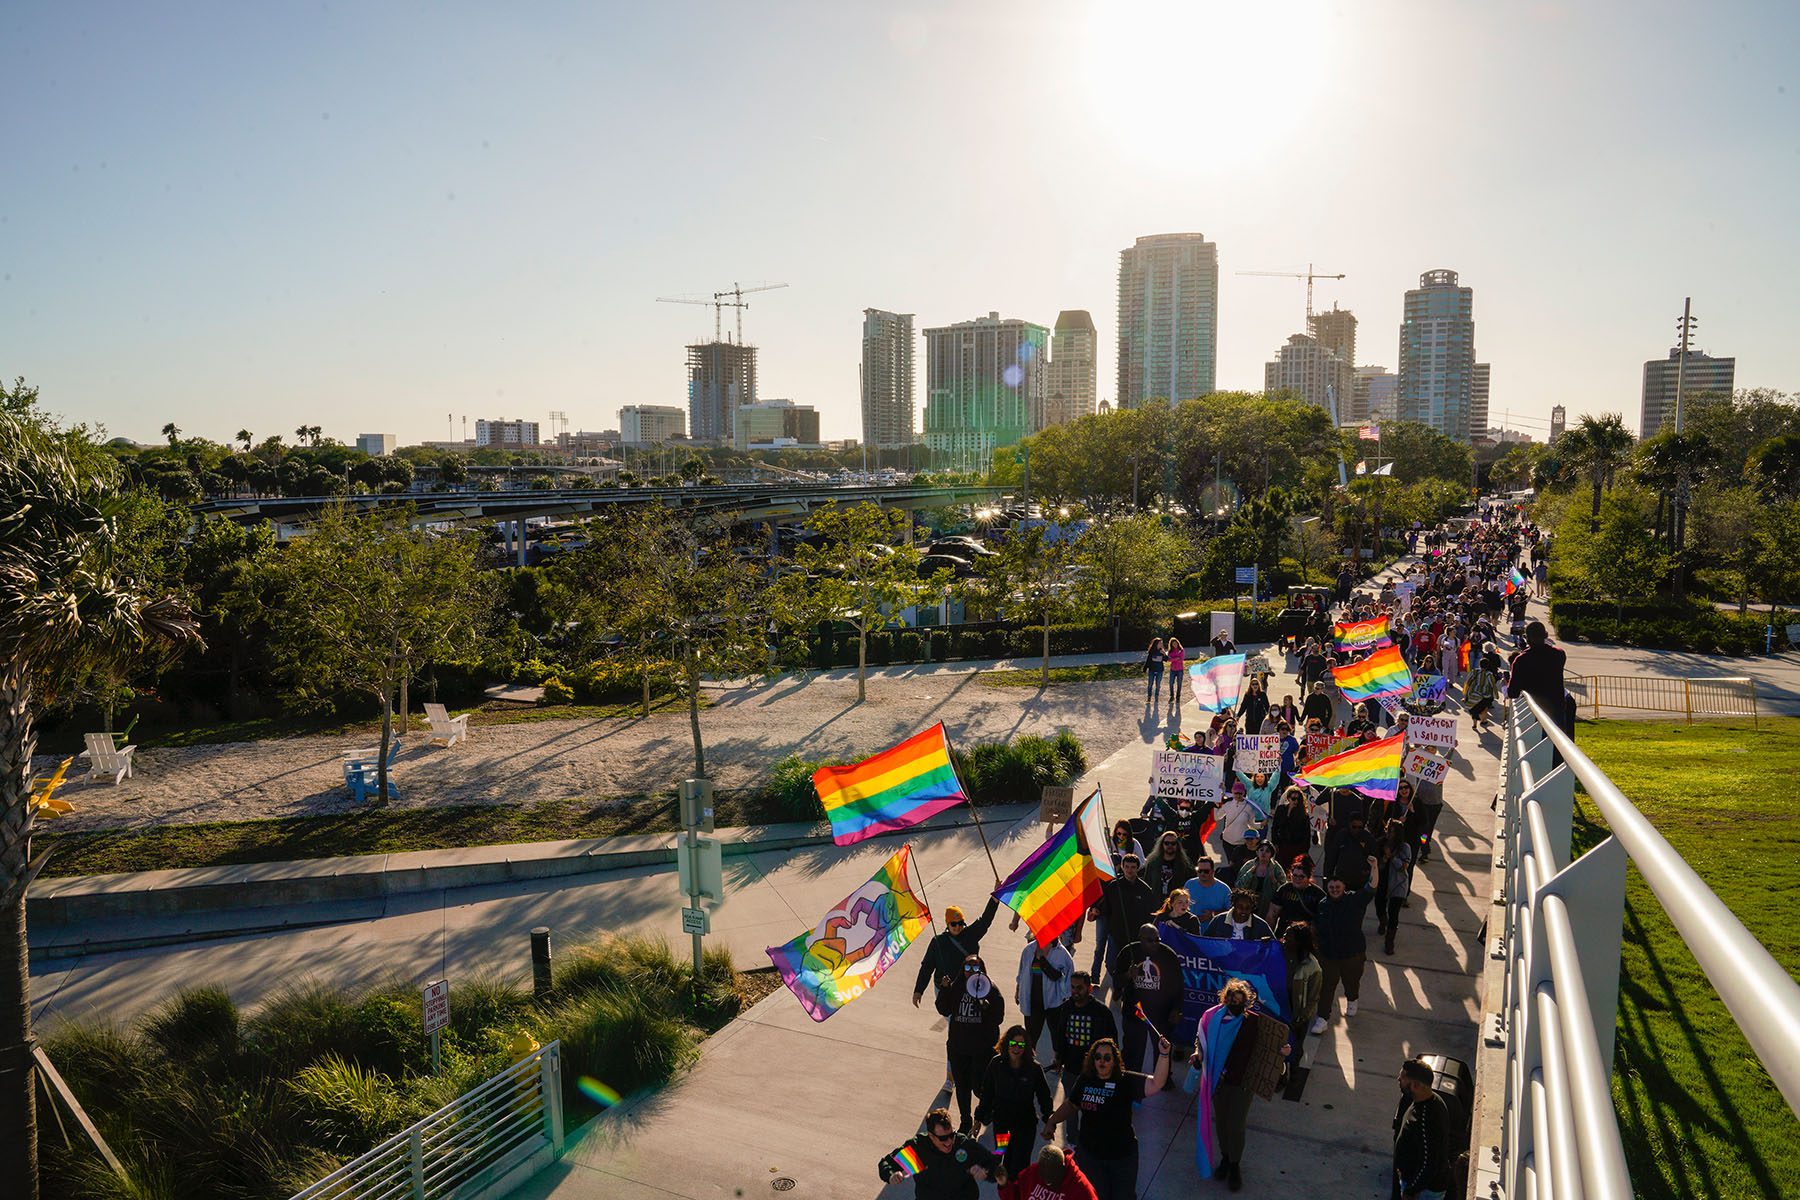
(746, 730)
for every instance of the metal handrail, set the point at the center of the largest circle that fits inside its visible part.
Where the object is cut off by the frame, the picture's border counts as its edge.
(1762, 998)
(483, 1137)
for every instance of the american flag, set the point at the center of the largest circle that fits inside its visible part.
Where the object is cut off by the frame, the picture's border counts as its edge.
(1371, 432)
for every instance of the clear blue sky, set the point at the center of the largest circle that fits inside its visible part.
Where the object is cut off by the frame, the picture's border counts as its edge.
(369, 216)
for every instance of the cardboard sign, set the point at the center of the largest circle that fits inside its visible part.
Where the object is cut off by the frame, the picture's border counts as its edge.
(1259, 752)
(1424, 766)
(1056, 804)
(1318, 745)
(1180, 775)
(1431, 733)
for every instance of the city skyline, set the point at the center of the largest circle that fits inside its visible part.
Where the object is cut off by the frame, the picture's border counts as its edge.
(372, 219)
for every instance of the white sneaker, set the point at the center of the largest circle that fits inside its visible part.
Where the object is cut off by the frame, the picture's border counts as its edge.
(1350, 1009)
(1318, 1025)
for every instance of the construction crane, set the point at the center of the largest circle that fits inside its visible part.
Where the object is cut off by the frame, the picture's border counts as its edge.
(1309, 275)
(720, 303)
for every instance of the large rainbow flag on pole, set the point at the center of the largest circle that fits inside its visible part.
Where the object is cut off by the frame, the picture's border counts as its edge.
(1372, 769)
(1383, 673)
(850, 948)
(1061, 880)
(1358, 635)
(894, 789)
(1217, 681)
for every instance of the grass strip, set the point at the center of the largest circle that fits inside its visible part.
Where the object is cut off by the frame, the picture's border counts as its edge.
(1700, 1115)
(1094, 673)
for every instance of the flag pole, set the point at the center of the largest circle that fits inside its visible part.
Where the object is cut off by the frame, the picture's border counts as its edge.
(973, 812)
(919, 882)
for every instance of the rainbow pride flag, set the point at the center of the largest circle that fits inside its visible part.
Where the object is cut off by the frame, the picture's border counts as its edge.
(1514, 581)
(1218, 681)
(1358, 635)
(1061, 880)
(1372, 769)
(1383, 673)
(907, 1160)
(894, 789)
(1002, 1139)
(855, 943)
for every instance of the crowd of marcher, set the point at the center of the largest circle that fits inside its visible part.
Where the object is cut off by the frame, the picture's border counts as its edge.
(1298, 865)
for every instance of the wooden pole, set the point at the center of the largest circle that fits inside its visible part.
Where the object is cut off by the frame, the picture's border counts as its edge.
(975, 813)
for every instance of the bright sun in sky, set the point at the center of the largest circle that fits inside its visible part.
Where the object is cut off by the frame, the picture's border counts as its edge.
(1169, 80)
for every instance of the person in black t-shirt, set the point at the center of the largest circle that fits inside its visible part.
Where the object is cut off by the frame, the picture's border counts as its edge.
(1103, 1094)
(1073, 1028)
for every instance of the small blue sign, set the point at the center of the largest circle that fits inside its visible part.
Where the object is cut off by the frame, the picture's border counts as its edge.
(1246, 574)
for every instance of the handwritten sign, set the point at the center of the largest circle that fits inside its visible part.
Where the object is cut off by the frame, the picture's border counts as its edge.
(1055, 805)
(1178, 775)
(1259, 752)
(1431, 733)
(1318, 745)
(1424, 766)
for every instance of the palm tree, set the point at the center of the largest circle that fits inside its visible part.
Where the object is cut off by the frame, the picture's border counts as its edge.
(172, 432)
(65, 608)
(243, 435)
(1601, 446)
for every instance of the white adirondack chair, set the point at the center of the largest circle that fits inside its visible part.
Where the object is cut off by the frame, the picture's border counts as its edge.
(446, 730)
(106, 759)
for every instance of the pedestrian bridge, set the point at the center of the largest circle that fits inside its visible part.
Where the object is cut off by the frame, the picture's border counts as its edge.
(1545, 1124)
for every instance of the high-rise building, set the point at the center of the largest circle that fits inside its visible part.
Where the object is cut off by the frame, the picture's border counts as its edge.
(1311, 371)
(1702, 374)
(1336, 331)
(1478, 401)
(887, 379)
(983, 380)
(721, 376)
(1073, 386)
(770, 424)
(1371, 396)
(1559, 421)
(1437, 354)
(648, 424)
(375, 444)
(506, 433)
(1168, 318)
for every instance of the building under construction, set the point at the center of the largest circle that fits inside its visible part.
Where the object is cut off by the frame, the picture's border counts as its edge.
(721, 377)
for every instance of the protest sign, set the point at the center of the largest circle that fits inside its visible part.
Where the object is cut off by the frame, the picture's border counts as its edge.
(1424, 766)
(1258, 752)
(1431, 733)
(1318, 745)
(1179, 775)
(1208, 963)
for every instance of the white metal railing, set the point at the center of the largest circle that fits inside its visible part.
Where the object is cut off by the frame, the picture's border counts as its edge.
(483, 1143)
(1560, 942)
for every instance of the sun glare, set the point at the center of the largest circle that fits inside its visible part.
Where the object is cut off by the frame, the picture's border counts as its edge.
(1183, 81)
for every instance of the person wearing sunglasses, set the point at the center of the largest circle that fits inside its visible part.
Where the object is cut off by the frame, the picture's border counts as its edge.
(1104, 1095)
(1075, 1027)
(945, 953)
(975, 1009)
(951, 1164)
(1014, 1099)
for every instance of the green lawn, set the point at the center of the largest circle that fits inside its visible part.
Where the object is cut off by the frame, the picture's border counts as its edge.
(1700, 1115)
(378, 831)
(1097, 673)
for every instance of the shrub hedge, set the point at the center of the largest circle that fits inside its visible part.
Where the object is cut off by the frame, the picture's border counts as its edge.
(1696, 627)
(203, 1101)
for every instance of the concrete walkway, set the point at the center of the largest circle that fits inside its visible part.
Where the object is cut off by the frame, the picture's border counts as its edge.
(778, 1097)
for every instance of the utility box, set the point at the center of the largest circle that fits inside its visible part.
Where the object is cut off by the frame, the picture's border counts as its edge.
(701, 868)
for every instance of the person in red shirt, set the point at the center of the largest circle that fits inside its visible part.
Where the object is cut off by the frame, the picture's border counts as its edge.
(1054, 1176)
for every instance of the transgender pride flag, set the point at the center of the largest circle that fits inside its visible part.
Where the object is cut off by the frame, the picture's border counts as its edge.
(1218, 681)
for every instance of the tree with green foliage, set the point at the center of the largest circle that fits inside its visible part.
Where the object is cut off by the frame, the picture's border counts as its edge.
(1599, 447)
(64, 602)
(1775, 467)
(233, 576)
(369, 599)
(1736, 425)
(1130, 559)
(1035, 575)
(678, 595)
(1620, 556)
(1774, 564)
(861, 572)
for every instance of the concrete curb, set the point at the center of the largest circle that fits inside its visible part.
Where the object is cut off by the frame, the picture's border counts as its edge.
(66, 914)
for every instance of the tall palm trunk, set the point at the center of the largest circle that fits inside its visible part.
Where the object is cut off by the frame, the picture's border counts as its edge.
(18, 1101)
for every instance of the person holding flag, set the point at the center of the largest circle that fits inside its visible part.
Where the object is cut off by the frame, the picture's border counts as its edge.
(942, 1163)
(1014, 1098)
(974, 1009)
(1236, 1059)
